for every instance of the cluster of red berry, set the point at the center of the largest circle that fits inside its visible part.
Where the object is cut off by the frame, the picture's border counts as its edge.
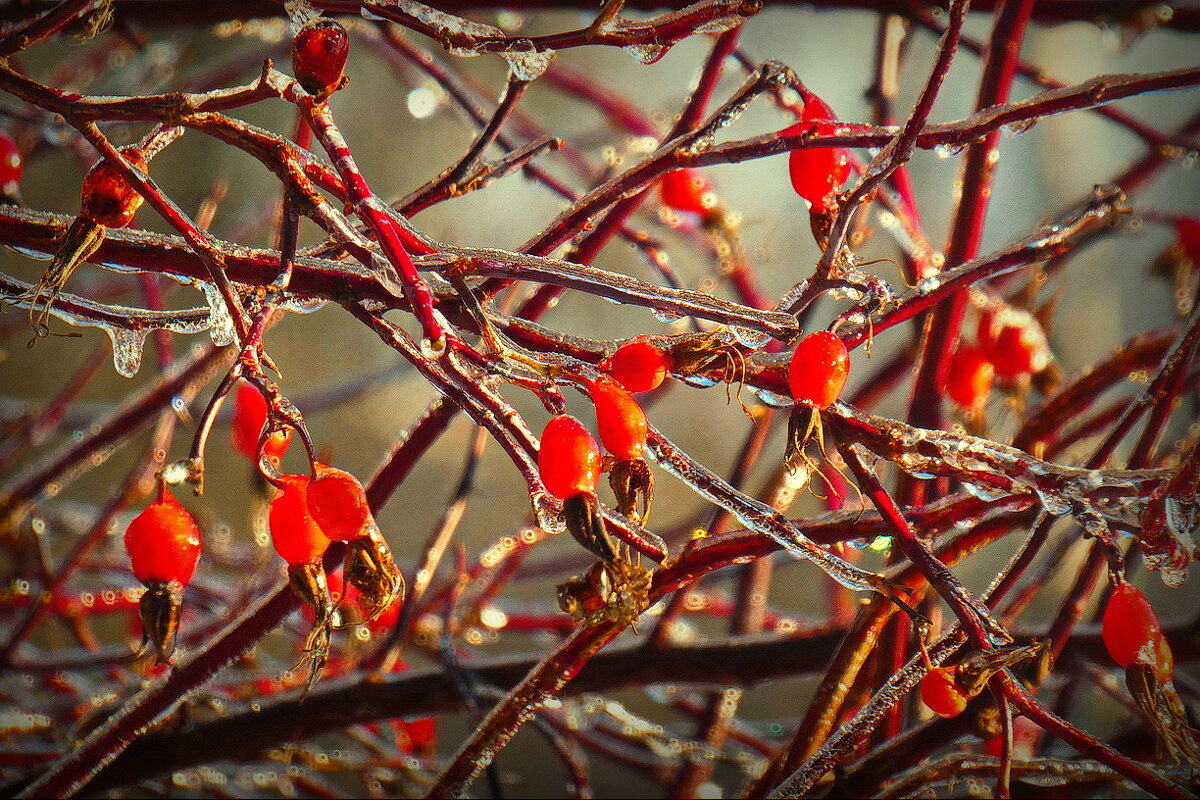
(1010, 345)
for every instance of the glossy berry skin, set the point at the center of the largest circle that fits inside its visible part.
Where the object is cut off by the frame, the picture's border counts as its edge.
(249, 419)
(338, 504)
(818, 174)
(638, 365)
(941, 694)
(319, 52)
(106, 197)
(11, 165)
(688, 191)
(569, 459)
(1013, 341)
(818, 370)
(1132, 632)
(620, 419)
(970, 375)
(296, 536)
(163, 542)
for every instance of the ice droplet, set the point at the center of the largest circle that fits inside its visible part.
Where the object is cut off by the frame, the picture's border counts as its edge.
(748, 337)
(548, 518)
(646, 53)
(986, 493)
(302, 305)
(663, 315)
(773, 399)
(433, 349)
(1055, 505)
(220, 324)
(930, 284)
(526, 63)
(127, 349)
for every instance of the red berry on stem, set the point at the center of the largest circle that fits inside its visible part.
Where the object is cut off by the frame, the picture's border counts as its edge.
(638, 365)
(969, 380)
(249, 419)
(941, 693)
(818, 174)
(296, 536)
(1013, 340)
(569, 458)
(163, 542)
(818, 370)
(106, 197)
(339, 505)
(1132, 632)
(319, 52)
(688, 191)
(621, 421)
(11, 165)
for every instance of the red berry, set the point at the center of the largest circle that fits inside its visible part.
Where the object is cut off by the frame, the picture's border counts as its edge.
(569, 459)
(638, 365)
(621, 421)
(10, 166)
(1132, 632)
(969, 380)
(818, 174)
(818, 370)
(1187, 229)
(687, 190)
(339, 505)
(249, 419)
(1013, 341)
(163, 542)
(941, 693)
(296, 536)
(319, 52)
(107, 198)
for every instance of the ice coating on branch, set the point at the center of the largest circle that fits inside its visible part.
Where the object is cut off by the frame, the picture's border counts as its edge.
(300, 13)
(220, 323)
(454, 32)
(526, 63)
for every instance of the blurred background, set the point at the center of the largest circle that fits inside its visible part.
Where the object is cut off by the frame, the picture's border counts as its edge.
(358, 396)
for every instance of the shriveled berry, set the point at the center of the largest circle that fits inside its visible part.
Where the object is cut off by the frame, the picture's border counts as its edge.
(688, 191)
(620, 419)
(969, 380)
(338, 503)
(638, 365)
(569, 458)
(941, 693)
(319, 52)
(163, 542)
(819, 370)
(106, 197)
(818, 174)
(296, 536)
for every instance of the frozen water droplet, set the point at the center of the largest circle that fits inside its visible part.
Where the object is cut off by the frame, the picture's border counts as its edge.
(367, 14)
(526, 63)
(432, 349)
(1017, 128)
(220, 324)
(699, 381)
(948, 150)
(548, 517)
(646, 53)
(773, 399)
(748, 337)
(663, 315)
(1055, 505)
(127, 349)
(986, 493)
(930, 284)
(302, 305)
